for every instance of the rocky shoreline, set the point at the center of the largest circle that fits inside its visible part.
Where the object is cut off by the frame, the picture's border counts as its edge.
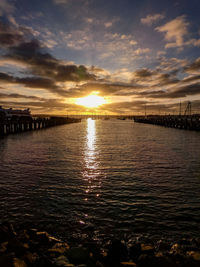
(22, 247)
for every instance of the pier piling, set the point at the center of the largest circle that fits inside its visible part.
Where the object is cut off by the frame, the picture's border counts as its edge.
(16, 125)
(187, 122)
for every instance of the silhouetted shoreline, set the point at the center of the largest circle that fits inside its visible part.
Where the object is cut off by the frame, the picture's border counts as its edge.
(31, 247)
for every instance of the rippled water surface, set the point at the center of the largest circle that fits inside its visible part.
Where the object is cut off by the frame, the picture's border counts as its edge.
(97, 178)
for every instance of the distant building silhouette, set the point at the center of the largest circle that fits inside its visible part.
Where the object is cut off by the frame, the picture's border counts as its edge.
(9, 113)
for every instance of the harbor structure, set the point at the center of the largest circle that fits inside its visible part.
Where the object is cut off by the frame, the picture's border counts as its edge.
(187, 122)
(17, 121)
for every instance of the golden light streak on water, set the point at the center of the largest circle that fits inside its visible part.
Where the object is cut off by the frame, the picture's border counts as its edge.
(91, 172)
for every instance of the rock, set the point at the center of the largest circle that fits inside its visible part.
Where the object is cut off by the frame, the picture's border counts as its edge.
(128, 263)
(32, 233)
(3, 247)
(44, 262)
(59, 248)
(62, 261)
(94, 250)
(30, 258)
(18, 263)
(42, 237)
(78, 255)
(118, 251)
(135, 251)
(6, 232)
(147, 249)
(54, 240)
(175, 249)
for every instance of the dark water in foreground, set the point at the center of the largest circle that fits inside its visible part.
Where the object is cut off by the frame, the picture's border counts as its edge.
(100, 178)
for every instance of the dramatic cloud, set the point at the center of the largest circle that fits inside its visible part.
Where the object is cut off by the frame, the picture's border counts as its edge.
(42, 63)
(193, 67)
(154, 78)
(4, 77)
(9, 36)
(150, 19)
(175, 31)
(76, 47)
(17, 96)
(175, 92)
(191, 79)
(33, 82)
(143, 73)
(104, 88)
(192, 89)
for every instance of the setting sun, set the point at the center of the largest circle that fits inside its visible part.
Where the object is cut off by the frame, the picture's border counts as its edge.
(91, 101)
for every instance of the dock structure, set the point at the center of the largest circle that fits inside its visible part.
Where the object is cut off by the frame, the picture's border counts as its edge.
(187, 122)
(23, 124)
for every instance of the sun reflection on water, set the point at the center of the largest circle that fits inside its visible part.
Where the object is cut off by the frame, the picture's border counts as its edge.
(91, 172)
(91, 136)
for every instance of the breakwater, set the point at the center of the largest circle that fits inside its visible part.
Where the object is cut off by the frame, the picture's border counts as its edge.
(23, 124)
(187, 122)
(27, 247)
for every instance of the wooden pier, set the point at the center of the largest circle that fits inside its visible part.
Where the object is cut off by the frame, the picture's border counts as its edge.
(186, 122)
(23, 124)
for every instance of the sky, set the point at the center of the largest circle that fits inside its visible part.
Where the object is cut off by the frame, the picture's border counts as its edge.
(137, 54)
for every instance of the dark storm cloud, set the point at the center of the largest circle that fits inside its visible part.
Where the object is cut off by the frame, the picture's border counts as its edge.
(156, 76)
(36, 82)
(33, 82)
(2, 95)
(183, 91)
(9, 36)
(144, 73)
(191, 89)
(7, 39)
(104, 88)
(166, 79)
(41, 63)
(6, 78)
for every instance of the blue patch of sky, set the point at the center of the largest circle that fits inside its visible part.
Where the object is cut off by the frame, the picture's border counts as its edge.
(72, 16)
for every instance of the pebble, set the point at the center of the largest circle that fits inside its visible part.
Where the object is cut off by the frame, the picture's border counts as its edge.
(33, 248)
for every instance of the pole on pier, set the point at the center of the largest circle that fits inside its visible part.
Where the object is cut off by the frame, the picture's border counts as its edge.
(188, 110)
(180, 109)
